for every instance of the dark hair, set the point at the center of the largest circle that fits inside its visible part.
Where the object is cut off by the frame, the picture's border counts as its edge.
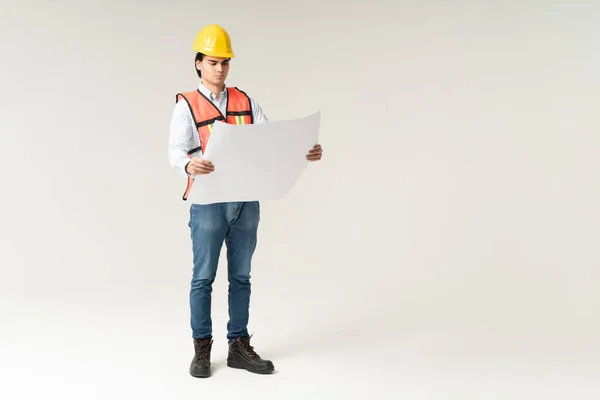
(199, 57)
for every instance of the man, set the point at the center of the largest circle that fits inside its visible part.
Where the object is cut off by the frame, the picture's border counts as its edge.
(211, 225)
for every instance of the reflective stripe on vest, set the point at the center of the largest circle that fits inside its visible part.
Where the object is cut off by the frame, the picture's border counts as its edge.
(205, 113)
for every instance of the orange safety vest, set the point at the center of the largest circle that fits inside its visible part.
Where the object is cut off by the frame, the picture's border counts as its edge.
(205, 113)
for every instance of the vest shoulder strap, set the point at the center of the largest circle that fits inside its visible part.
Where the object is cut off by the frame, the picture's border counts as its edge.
(203, 111)
(238, 103)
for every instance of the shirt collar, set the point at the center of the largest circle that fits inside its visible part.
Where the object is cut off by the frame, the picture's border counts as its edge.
(210, 94)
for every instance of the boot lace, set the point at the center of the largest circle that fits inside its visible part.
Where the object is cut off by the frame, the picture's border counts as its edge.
(203, 349)
(248, 347)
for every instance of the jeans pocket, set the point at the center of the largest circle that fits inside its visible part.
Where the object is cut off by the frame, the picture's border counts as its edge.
(192, 212)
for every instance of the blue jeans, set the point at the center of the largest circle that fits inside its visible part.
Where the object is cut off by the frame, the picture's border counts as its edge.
(236, 224)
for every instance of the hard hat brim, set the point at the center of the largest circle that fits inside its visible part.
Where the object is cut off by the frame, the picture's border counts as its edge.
(214, 53)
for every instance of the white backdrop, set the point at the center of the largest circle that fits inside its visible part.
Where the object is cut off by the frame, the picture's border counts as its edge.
(445, 247)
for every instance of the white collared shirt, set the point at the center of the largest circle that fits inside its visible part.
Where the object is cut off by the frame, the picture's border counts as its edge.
(184, 136)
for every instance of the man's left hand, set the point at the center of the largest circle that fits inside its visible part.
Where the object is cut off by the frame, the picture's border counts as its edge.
(315, 154)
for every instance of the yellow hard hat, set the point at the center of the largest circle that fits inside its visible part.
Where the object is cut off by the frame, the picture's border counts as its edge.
(213, 40)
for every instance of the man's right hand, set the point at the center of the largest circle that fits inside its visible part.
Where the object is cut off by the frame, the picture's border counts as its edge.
(198, 166)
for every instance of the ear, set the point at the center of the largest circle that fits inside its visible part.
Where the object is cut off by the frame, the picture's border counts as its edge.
(198, 64)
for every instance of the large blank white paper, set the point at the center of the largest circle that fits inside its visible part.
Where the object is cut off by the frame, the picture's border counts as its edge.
(256, 161)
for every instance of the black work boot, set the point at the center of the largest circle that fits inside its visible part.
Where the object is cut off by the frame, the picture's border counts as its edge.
(200, 366)
(242, 356)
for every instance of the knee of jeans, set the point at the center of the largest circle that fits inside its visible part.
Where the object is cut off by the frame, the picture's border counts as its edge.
(200, 282)
(203, 275)
(240, 277)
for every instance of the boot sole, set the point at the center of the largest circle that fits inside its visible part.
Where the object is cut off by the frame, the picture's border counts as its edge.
(204, 374)
(200, 375)
(242, 365)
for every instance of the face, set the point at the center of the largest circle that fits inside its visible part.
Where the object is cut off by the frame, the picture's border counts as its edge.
(214, 69)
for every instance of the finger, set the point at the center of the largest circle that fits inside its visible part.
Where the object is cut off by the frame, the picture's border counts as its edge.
(203, 164)
(200, 162)
(202, 169)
